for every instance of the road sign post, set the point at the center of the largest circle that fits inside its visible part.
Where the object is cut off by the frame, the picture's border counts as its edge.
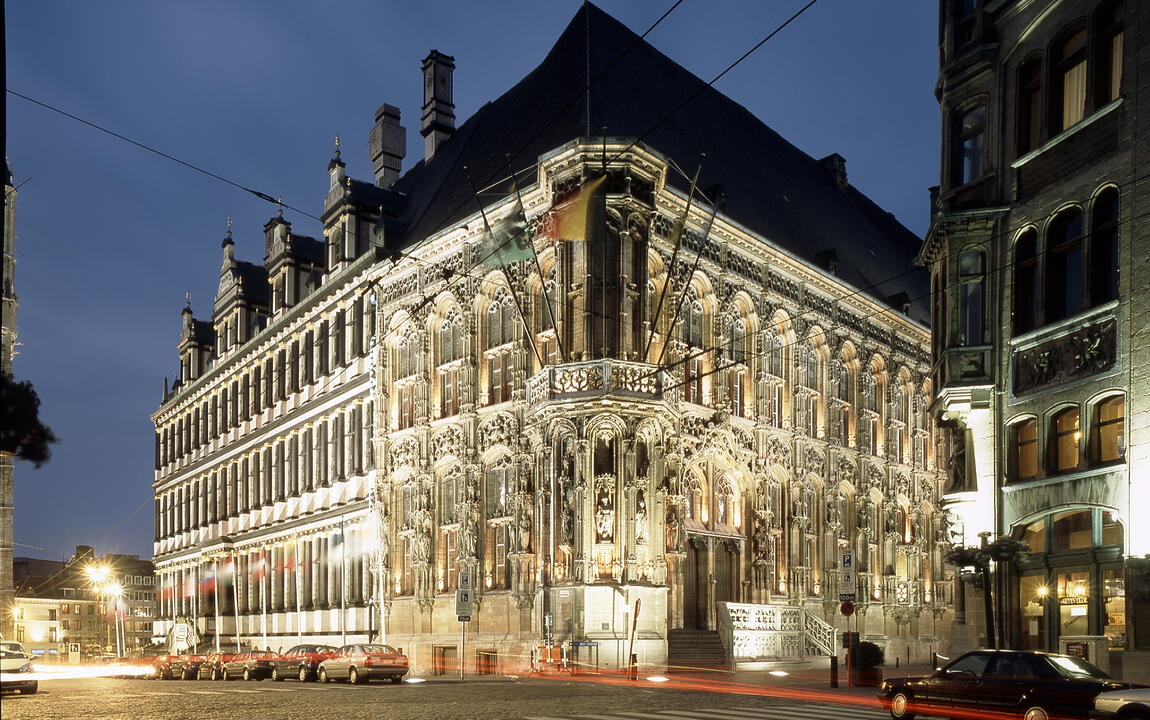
(464, 607)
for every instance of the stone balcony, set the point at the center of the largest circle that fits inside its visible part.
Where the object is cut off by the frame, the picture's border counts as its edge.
(606, 378)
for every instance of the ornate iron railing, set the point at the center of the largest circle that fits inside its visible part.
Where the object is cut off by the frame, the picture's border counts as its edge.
(594, 378)
(757, 632)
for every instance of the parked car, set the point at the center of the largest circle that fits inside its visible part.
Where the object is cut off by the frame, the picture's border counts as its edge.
(363, 663)
(162, 666)
(1131, 704)
(250, 665)
(16, 673)
(1021, 683)
(212, 668)
(301, 661)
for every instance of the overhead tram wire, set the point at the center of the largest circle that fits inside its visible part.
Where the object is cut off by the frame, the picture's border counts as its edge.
(197, 168)
(991, 271)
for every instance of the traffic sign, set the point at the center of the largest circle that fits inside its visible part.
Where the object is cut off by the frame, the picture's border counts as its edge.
(847, 581)
(464, 604)
(847, 608)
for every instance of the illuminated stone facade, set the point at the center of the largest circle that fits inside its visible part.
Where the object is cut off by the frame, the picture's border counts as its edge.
(619, 425)
(7, 353)
(1039, 265)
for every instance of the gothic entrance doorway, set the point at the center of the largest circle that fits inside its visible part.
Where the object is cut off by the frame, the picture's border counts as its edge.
(711, 576)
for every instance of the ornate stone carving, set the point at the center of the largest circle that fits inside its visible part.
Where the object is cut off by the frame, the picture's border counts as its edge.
(405, 453)
(1080, 354)
(778, 453)
(447, 443)
(499, 430)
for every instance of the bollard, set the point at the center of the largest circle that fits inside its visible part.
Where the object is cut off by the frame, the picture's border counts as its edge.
(896, 663)
(633, 671)
(834, 671)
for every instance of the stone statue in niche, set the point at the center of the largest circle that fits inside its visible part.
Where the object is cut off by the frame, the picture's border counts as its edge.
(604, 519)
(641, 518)
(672, 528)
(467, 536)
(567, 512)
(524, 530)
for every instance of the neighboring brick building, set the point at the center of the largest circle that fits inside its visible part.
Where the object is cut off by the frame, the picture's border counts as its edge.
(1040, 261)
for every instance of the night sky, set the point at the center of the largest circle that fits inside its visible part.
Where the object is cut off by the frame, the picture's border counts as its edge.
(111, 237)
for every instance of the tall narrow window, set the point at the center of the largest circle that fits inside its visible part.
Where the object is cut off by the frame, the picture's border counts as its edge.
(1064, 266)
(406, 366)
(1064, 439)
(1025, 447)
(1069, 82)
(1026, 282)
(693, 338)
(1104, 248)
(971, 322)
(450, 355)
(1109, 52)
(500, 334)
(1029, 104)
(1109, 439)
(970, 133)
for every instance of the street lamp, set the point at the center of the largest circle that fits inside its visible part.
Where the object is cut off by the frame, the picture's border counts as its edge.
(115, 591)
(98, 577)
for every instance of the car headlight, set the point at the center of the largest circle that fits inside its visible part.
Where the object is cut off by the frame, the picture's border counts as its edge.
(26, 667)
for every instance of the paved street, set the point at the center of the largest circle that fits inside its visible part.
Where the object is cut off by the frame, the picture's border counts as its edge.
(583, 698)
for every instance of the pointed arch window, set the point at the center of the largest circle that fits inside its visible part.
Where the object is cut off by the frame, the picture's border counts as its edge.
(497, 507)
(501, 333)
(693, 366)
(450, 346)
(406, 364)
(737, 352)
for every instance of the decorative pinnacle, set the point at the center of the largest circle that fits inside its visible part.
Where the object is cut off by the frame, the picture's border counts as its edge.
(337, 147)
(229, 227)
(280, 203)
(188, 299)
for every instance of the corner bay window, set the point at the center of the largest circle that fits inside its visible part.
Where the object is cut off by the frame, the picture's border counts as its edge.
(969, 146)
(971, 323)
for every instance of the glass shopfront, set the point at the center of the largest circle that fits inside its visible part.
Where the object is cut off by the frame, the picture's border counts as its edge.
(1072, 582)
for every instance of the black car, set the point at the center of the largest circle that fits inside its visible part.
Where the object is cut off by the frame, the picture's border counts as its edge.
(1011, 683)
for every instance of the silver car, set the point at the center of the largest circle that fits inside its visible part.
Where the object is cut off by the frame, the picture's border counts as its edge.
(364, 662)
(16, 673)
(1133, 704)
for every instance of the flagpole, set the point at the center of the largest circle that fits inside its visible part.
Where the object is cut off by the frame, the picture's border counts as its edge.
(694, 267)
(678, 236)
(298, 590)
(542, 278)
(342, 583)
(503, 269)
(236, 599)
(216, 595)
(264, 595)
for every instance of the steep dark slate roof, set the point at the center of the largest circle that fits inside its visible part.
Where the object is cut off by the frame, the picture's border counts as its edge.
(255, 282)
(307, 248)
(772, 187)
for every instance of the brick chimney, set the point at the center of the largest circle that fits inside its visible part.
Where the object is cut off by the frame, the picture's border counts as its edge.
(438, 109)
(387, 145)
(836, 167)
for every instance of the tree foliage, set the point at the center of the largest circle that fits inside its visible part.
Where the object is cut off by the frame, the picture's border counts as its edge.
(21, 432)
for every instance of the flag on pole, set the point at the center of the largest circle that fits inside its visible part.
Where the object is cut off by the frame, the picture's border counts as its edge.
(507, 241)
(575, 221)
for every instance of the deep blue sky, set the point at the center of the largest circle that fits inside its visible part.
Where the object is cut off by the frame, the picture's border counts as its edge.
(110, 237)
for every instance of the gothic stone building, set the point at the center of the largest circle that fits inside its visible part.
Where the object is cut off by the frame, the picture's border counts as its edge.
(1039, 261)
(625, 424)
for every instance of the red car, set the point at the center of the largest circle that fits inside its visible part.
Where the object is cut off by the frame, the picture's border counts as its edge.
(301, 661)
(212, 668)
(362, 663)
(250, 665)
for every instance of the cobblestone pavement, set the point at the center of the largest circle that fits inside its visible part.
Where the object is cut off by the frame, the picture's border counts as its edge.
(729, 697)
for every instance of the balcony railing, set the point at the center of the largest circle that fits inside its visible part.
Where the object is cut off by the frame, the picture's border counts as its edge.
(595, 378)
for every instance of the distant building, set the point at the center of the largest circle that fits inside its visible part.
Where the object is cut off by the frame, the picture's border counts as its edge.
(86, 601)
(7, 352)
(1041, 292)
(634, 431)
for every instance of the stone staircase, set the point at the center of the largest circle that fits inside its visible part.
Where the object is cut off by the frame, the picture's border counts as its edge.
(696, 650)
